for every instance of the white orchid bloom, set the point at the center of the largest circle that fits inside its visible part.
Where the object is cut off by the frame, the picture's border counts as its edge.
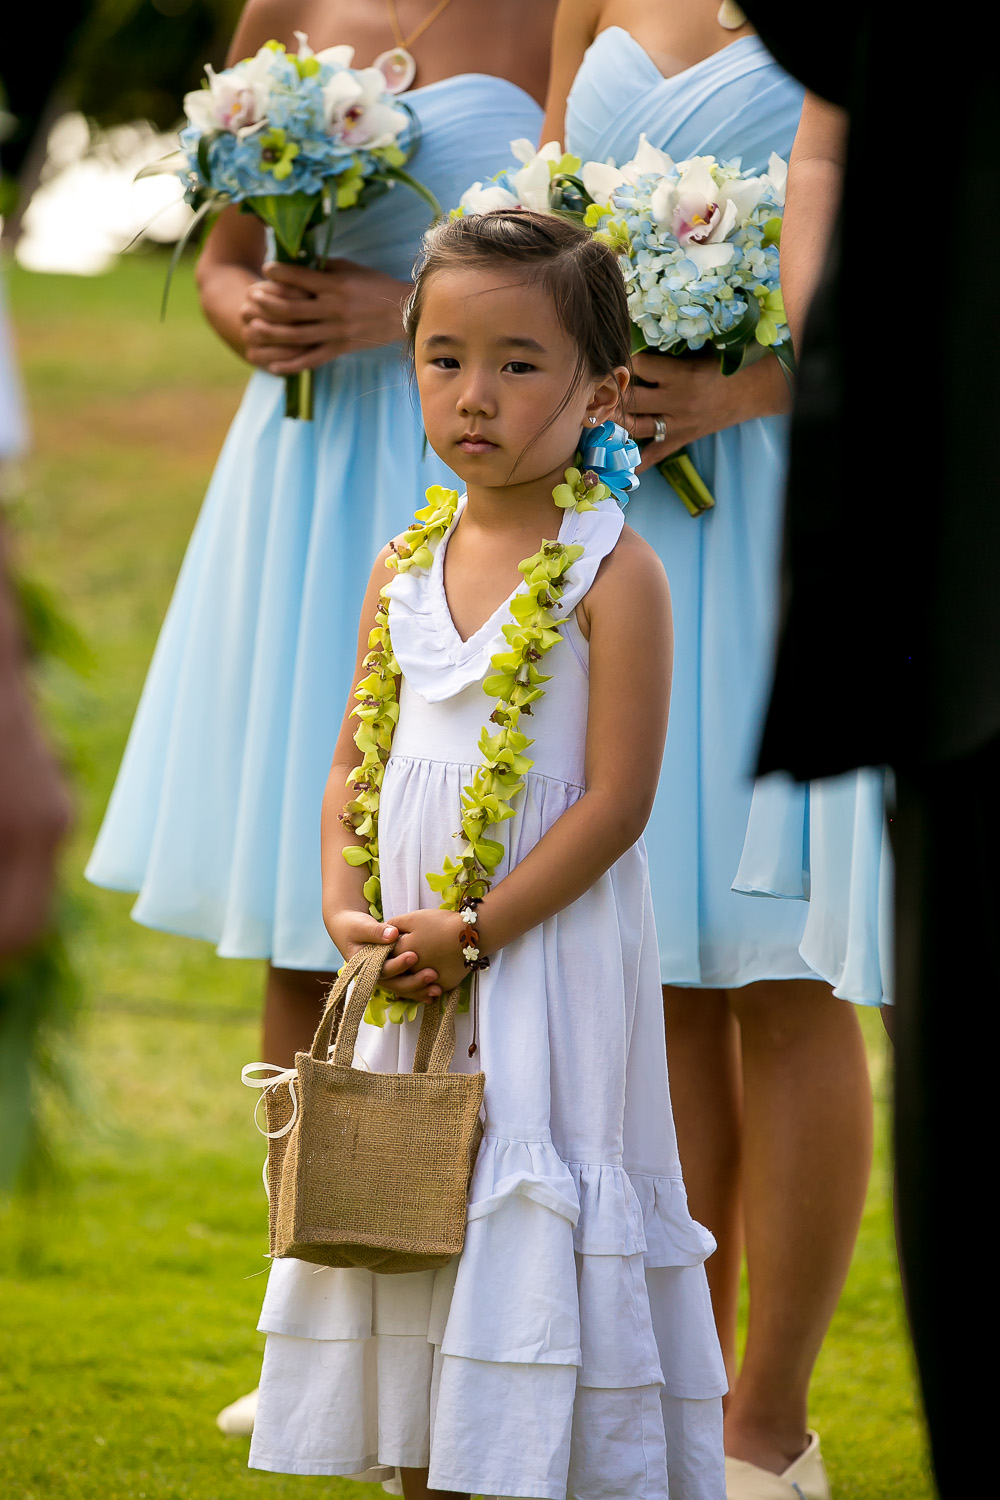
(698, 212)
(601, 179)
(483, 199)
(531, 184)
(647, 159)
(235, 100)
(662, 202)
(336, 57)
(777, 172)
(525, 151)
(744, 193)
(710, 257)
(355, 111)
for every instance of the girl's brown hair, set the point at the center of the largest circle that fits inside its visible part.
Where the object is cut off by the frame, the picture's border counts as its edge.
(580, 275)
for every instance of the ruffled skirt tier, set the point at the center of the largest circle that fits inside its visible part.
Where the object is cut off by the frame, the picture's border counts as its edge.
(559, 1355)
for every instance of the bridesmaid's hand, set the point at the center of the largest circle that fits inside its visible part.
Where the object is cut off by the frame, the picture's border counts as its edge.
(693, 398)
(297, 318)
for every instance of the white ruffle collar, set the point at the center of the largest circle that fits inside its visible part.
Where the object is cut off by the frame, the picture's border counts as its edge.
(432, 656)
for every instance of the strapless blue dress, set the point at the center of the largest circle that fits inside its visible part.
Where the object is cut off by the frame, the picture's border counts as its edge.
(716, 837)
(214, 818)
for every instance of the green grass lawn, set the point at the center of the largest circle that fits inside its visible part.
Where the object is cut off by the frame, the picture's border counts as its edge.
(127, 1307)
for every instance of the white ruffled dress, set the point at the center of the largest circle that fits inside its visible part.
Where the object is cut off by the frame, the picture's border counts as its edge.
(570, 1349)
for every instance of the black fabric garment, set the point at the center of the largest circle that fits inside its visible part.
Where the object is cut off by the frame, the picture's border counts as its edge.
(944, 831)
(890, 646)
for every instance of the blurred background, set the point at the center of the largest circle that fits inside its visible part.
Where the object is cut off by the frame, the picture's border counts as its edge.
(132, 1253)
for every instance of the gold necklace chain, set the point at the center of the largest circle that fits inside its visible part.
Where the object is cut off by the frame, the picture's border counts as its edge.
(397, 30)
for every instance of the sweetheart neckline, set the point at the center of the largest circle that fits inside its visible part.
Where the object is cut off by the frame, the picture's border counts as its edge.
(683, 72)
(456, 77)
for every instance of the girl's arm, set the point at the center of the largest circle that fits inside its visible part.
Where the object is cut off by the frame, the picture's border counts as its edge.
(575, 28)
(631, 656)
(288, 318)
(345, 910)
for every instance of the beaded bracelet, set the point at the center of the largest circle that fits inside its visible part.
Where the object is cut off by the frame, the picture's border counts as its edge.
(469, 935)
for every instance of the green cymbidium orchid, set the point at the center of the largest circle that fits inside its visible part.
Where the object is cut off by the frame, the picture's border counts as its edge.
(277, 153)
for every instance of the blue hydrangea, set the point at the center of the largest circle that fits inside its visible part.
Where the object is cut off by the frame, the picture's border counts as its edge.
(672, 303)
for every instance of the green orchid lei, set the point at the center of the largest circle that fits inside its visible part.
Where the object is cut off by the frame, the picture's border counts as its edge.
(515, 682)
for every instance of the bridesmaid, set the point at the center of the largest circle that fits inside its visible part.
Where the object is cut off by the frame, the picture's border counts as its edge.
(768, 1070)
(214, 818)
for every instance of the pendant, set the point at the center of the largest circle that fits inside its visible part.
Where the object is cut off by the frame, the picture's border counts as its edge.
(731, 16)
(398, 67)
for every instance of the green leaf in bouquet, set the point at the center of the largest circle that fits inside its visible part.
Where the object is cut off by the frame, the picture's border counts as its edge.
(375, 187)
(204, 146)
(396, 174)
(329, 207)
(732, 345)
(637, 339)
(732, 361)
(211, 205)
(785, 356)
(570, 199)
(289, 215)
(169, 165)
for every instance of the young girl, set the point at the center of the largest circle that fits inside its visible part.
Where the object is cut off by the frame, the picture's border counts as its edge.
(569, 1350)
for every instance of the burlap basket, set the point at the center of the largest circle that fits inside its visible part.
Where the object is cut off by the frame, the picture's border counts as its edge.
(375, 1170)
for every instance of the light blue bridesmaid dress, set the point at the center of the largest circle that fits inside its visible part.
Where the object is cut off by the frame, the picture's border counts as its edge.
(716, 837)
(214, 817)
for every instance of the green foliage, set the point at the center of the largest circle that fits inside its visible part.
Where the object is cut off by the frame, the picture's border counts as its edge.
(40, 989)
(39, 998)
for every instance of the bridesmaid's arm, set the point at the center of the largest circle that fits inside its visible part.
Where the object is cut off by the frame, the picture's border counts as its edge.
(815, 173)
(575, 27)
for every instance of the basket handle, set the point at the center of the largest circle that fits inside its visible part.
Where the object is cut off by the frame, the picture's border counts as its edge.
(444, 1042)
(364, 967)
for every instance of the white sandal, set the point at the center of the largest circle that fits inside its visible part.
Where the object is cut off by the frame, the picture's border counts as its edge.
(237, 1419)
(804, 1479)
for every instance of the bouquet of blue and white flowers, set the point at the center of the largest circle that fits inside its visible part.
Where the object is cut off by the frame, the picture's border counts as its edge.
(698, 242)
(294, 139)
(698, 246)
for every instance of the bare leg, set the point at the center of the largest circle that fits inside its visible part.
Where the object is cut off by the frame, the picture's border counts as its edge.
(706, 1089)
(293, 1004)
(415, 1487)
(807, 1140)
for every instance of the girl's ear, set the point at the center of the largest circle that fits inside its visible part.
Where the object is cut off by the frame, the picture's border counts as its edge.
(608, 395)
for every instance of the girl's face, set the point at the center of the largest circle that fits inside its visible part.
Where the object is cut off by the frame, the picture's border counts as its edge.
(493, 363)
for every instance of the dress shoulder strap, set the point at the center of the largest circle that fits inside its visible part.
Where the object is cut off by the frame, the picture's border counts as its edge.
(432, 657)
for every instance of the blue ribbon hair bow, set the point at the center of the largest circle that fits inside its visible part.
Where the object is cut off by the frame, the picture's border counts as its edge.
(613, 456)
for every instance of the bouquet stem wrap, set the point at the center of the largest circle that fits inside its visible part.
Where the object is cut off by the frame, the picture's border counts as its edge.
(681, 474)
(298, 387)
